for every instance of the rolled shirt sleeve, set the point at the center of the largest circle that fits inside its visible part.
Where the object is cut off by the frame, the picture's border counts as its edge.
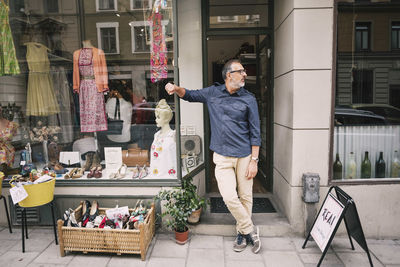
(254, 124)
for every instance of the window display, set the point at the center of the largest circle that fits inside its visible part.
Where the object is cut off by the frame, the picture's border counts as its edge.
(68, 69)
(367, 104)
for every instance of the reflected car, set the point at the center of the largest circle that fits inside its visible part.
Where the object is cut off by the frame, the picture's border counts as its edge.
(390, 113)
(350, 116)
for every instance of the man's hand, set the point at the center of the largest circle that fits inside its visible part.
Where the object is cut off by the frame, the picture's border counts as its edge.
(170, 88)
(252, 169)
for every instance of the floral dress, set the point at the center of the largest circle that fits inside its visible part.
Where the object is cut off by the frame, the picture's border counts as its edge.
(91, 101)
(8, 60)
(7, 151)
(163, 156)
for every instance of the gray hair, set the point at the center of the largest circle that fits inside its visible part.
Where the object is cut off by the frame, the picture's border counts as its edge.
(228, 67)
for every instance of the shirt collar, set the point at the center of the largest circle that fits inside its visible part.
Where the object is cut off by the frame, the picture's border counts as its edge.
(239, 92)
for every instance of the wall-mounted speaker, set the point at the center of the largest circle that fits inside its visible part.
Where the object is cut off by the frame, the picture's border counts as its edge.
(190, 144)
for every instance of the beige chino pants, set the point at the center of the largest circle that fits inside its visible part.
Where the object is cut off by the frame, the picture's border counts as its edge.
(236, 190)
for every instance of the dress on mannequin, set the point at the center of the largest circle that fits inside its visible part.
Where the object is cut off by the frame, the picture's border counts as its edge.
(9, 63)
(41, 100)
(90, 80)
(163, 148)
(126, 116)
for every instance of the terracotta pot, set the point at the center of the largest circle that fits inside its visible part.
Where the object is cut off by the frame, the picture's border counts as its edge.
(182, 237)
(195, 216)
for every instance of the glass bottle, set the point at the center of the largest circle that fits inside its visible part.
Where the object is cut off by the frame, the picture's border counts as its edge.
(337, 168)
(395, 170)
(366, 167)
(380, 167)
(351, 168)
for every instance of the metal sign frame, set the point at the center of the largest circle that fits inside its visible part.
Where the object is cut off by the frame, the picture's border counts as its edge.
(351, 221)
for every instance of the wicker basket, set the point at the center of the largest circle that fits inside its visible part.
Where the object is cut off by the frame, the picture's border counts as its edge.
(107, 240)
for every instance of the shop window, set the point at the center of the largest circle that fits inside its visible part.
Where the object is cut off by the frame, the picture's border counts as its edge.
(395, 35)
(106, 5)
(141, 4)
(366, 139)
(108, 36)
(362, 37)
(64, 72)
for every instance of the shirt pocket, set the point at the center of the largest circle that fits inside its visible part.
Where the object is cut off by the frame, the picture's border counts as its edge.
(239, 111)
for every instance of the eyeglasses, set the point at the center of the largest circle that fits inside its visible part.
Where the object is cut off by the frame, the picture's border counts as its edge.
(242, 71)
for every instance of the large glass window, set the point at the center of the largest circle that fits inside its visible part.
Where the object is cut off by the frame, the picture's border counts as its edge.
(77, 97)
(367, 113)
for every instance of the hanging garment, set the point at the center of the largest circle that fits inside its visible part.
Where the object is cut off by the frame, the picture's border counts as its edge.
(163, 156)
(158, 56)
(63, 94)
(8, 60)
(7, 151)
(91, 101)
(41, 100)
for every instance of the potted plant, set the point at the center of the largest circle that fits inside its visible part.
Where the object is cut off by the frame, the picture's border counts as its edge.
(177, 208)
(198, 203)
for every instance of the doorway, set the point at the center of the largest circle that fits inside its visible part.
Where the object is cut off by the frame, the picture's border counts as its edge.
(254, 52)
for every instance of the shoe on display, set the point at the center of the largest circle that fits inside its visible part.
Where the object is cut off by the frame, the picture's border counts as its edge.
(240, 243)
(135, 172)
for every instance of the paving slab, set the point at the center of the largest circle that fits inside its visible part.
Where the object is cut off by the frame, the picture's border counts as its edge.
(126, 260)
(206, 241)
(163, 262)
(15, 235)
(34, 243)
(311, 246)
(386, 253)
(282, 259)
(167, 248)
(231, 263)
(90, 260)
(356, 259)
(343, 245)
(245, 255)
(312, 259)
(17, 259)
(5, 245)
(51, 255)
(44, 265)
(277, 243)
(200, 257)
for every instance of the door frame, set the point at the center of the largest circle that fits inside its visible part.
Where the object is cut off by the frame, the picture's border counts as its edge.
(206, 32)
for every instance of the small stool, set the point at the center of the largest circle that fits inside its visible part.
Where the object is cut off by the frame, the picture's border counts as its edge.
(38, 195)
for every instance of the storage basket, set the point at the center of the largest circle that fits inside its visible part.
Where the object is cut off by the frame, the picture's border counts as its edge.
(38, 194)
(119, 241)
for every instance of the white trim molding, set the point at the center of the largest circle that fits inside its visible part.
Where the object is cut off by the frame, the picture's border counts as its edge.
(101, 25)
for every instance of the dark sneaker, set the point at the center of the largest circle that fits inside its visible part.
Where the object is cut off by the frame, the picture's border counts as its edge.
(254, 239)
(240, 243)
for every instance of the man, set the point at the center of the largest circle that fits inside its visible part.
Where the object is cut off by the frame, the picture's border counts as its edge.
(235, 140)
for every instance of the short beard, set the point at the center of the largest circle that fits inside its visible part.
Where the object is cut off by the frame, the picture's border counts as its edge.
(236, 85)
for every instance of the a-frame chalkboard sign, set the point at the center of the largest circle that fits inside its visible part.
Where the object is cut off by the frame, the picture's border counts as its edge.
(331, 213)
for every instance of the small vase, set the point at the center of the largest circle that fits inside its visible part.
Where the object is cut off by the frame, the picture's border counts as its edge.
(195, 216)
(182, 237)
(45, 152)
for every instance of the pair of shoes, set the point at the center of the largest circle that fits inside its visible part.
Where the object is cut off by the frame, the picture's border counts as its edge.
(254, 239)
(71, 173)
(78, 173)
(94, 210)
(140, 172)
(95, 172)
(69, 218)
(121, 172)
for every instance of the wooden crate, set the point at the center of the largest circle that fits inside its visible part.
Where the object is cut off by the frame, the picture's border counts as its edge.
(127, 241)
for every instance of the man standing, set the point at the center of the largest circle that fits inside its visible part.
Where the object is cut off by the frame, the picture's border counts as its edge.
(235, 140)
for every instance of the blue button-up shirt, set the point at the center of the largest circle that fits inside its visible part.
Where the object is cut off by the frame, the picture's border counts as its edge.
(235, 123)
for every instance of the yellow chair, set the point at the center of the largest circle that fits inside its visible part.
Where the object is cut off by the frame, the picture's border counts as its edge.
(5, 201)
(38, 195)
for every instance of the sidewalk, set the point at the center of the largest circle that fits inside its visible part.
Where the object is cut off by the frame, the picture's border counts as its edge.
(201, 251)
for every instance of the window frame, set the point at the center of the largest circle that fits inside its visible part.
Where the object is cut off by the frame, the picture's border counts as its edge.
(106, 10)
(150, 3)
(146, 23)
(398, 35)
(369, 31)
(101, 25)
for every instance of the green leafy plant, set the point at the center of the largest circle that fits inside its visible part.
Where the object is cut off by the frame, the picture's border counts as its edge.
(179, 203)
